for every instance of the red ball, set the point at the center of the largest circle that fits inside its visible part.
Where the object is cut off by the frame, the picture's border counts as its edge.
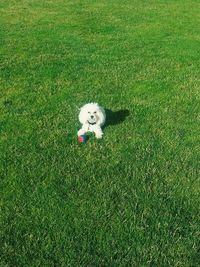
(82, 138)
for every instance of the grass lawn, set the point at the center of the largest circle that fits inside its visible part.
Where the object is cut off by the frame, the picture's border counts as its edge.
(132, 198)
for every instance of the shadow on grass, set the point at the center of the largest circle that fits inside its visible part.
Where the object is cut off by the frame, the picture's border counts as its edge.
(116, 117)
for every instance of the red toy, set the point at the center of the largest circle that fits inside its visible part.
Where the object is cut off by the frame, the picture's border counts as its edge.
(82, 138)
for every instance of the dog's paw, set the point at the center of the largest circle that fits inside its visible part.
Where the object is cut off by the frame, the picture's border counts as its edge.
(81, 132)
(99, 135)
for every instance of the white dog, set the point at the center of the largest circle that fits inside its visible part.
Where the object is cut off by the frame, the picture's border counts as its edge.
(92, 117)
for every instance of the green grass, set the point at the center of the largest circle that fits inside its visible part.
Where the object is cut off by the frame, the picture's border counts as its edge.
(133, 198)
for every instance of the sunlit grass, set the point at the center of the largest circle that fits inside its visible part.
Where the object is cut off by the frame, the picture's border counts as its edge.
(131, 199)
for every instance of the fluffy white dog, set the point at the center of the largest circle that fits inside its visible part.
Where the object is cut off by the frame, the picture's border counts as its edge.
(92, 117)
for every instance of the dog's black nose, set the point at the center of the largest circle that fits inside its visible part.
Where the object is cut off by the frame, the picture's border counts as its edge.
(92, 116)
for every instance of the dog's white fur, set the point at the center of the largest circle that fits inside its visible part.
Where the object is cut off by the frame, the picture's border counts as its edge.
(92, 117)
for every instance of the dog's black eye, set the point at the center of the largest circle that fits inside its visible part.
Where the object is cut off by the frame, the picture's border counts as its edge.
(95, 112)
(89, 112)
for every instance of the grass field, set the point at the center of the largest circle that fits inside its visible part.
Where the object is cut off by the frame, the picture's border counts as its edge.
(132, 198)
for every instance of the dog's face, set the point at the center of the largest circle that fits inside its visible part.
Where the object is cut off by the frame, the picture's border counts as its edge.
(93, 114)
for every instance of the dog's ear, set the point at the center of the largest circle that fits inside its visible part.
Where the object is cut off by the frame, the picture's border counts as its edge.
(82, 116)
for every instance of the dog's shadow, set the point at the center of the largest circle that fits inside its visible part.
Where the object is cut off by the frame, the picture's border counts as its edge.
(116, 117)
